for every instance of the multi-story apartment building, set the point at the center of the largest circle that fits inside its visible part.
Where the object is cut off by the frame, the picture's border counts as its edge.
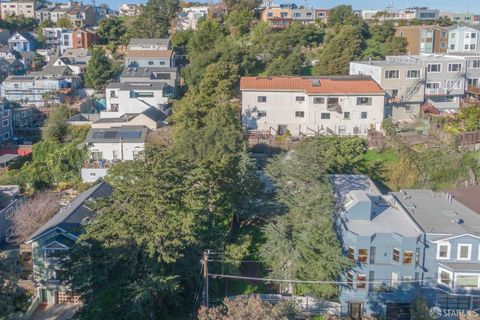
(24, 8)
(321, 14)
(150, 58)
(460, 17)
(385, 245)
(130, 9)
(84, 38)
(82, 16)
(58, 39)
(405, 245)
(189, 17)
(278, 16)
(424, 39)
(345, 105)
(304, 15)
(403, 82)
(472, 74)
(417, 13)
(6, 129)
(10, 199)
(444, 80)
(47, 245)
(464, 39)
(32, 89)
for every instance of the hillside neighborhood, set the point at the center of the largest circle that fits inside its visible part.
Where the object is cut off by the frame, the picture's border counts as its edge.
(239, 159)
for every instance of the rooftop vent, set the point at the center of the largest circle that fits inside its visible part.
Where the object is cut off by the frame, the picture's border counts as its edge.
(316, 82)
(457, 221)
(450, 213)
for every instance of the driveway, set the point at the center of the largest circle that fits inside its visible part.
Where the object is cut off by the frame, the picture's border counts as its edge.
(62, 311)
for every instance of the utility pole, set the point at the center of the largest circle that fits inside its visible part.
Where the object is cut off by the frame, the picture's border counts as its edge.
(205, 277)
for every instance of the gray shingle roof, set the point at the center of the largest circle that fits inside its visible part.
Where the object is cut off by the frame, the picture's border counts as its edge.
(136, 85)
(136, 41)
(69, 218)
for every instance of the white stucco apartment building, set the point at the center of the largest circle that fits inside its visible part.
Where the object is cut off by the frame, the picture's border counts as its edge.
(343, 105)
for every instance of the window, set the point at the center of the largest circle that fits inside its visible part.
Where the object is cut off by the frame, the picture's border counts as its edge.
(473, 47)
(332, 102)
(407, 257)
(371, 280)
(9, 212)
(350, 279)
(451, 302)
(417, 256)
(452, 47)
(364, 115)
(413, 74)
(396, 255)
(144, 94)
(406, 283)
(299, 98)
(6, 136)
(361, 281)
(454, 84)
(97, 155)
(444, 34)
(114, 107)
(473, 35)
(444, 277)
(115, 154)
(394, 280)
(435, 67)
(262, 99)
(270, 14)
(150, 63)
(466, 280)
(6, 123)
(394, 93)
(342, 130)
(346, 115)
(464, 251)
(93, 174)
(362, 255)
(373, 251)
(262, 114)
(443, 251)
(362, 101)
(112, 94)
(454, 67)
(443, 45)
(299, 114)
(465, 47)
(325, 116)
(318, 100)
(392, 74)
(351, 253)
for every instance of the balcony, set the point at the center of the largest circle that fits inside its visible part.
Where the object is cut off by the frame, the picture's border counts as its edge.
(435, 92)
(474, 89)
(336, 107)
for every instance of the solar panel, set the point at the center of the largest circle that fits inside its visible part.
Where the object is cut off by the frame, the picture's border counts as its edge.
(117, 135)
(110, 135)
(97, 135)
(129, 134)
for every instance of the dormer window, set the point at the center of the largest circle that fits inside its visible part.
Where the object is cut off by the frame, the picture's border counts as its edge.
(443, 251)
(464, 251)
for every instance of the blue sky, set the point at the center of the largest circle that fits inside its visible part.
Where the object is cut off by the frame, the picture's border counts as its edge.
(445, 5)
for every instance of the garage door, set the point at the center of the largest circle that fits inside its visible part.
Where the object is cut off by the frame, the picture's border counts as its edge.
(398, 311)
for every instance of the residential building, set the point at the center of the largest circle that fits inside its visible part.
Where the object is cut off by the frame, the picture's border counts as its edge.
(112, 145)
(23, 41)
(169, 76)
(278, 16)
(343, 105)
(10, 199)
(77, 55)
(135, 97)
(472, 74)
(152, 118)
(130, 9)
(31, 89)
(403, 82)
(49, 243)
(304, 15)
(4, 36)
(321, 14)
(444, 80)
(150, 58)
(464, 39)
(6, 129)
(150, 44)
(84, 38)
(82, 16)
(11, 67)
(461, 17)
(424, 38)
(451, 234)
(386, 248)
(24, 8)
(77, 68)
(417, 13)
(58, 39)
(189, 17)
(26, 122)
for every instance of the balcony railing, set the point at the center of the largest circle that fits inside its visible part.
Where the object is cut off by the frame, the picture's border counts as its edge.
(435, 91)
(474, 89)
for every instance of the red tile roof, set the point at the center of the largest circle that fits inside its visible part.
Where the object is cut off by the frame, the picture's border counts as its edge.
(320, 85)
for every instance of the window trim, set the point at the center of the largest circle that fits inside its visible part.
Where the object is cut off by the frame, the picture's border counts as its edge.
(434, 64)
(454, 63)
(419, 74)
(449, 250)
(397, 73)
(300, 98)
(467, 274)
(299, 114)
(362, 113)
(261, 99)
(439, 278)
(469, 245)
(363, 282)
(412, 258)
(393, 255)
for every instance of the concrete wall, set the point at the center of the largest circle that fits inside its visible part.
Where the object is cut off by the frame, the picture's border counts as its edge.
(113, 151)
(128, 104)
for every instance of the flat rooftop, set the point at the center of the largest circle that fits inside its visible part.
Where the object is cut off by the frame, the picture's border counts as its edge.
(385, 63)
(436, 215)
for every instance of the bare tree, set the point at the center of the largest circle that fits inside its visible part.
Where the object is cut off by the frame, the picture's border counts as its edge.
(242, 308)
(34, 213)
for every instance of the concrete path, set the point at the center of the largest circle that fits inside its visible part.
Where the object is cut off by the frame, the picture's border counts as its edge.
(63, 311)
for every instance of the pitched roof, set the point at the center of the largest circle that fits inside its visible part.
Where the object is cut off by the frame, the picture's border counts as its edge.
(313, 85)
(133, 134)
(161, 42)
(149, 54)
(468, 197)
(70, 217)
(27, 35)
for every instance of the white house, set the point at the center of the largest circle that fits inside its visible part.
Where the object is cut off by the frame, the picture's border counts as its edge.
(150, 44)
(188, 19)
(344, 105)
(464, 39)
(135, 97)
(110, 145)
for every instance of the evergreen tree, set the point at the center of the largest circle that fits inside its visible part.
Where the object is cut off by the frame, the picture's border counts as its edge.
(99, 70)
(55, 128)
(155, 19)
(111, 31)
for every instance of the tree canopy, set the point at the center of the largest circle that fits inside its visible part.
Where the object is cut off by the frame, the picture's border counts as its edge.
(99, 70)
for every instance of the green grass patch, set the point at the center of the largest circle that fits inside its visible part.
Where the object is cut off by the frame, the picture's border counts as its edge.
(386, 156)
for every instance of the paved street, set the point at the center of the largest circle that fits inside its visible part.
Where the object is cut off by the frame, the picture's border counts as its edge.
(62, 311)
